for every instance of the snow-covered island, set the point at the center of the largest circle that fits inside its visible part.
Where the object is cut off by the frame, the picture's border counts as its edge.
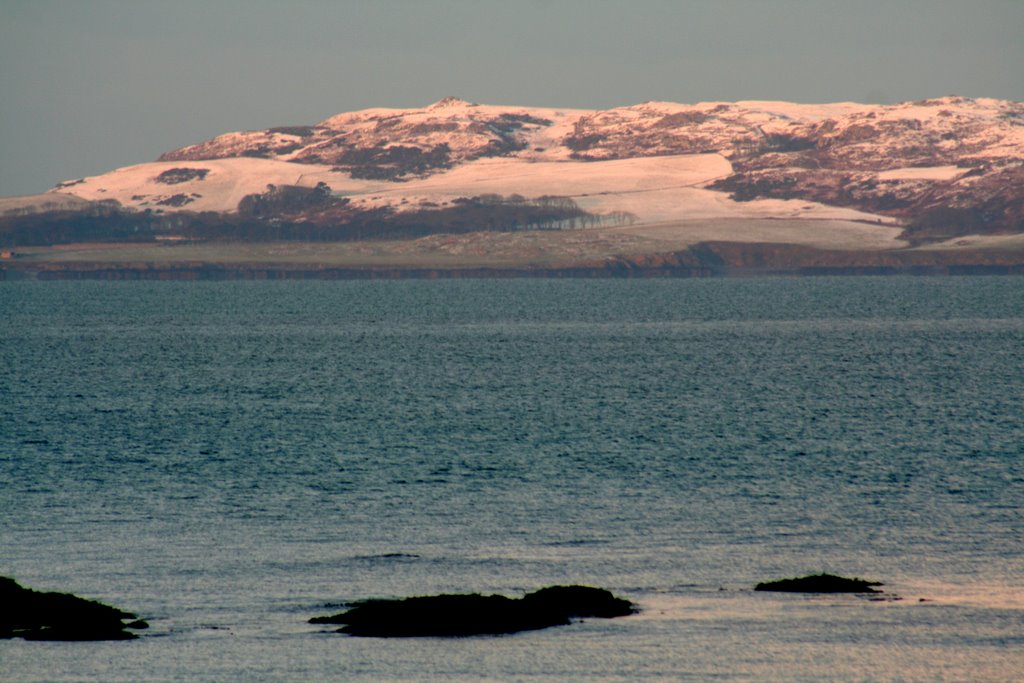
(652, 188)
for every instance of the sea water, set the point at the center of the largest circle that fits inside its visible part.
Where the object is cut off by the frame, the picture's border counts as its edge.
(228, 460)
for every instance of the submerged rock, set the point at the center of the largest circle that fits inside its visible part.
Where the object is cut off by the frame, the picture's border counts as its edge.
(820, 583)
(475, 614)
(35, 615)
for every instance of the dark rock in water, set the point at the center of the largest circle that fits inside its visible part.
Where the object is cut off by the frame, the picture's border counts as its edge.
(443, 615)
(820, 583)
(474, 614)
(35, 615)
(579, 601)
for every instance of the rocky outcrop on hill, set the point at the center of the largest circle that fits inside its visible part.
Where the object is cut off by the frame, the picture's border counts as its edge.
(383, 143)
(927, 162)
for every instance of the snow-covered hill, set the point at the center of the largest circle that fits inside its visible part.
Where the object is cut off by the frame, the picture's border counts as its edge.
(873, 137)
(946, 166)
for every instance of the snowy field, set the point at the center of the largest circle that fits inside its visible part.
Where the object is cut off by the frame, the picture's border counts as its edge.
(664, 196)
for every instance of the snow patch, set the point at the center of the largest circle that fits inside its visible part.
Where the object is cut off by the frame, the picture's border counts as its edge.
(224, 184)
(927, 173)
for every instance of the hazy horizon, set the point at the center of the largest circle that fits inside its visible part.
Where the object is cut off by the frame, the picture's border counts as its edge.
(94, 86)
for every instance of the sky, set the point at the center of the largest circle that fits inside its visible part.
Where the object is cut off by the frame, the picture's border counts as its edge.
(92, 85)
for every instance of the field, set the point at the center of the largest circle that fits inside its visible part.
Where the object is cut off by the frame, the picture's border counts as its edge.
(486, 249)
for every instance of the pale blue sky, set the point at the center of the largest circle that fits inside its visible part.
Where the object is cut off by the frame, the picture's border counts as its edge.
(90, 85)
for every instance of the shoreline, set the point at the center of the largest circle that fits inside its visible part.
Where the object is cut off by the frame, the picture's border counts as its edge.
(215, 273)
(702, 260)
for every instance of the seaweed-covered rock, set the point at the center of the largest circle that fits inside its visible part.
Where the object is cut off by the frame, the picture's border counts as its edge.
(474, 614)
(820, 583)
(35, 615)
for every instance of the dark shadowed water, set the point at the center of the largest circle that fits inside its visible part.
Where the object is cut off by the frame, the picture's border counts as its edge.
(230, 459)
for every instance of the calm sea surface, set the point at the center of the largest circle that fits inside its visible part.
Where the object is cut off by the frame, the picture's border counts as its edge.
(231, 459)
